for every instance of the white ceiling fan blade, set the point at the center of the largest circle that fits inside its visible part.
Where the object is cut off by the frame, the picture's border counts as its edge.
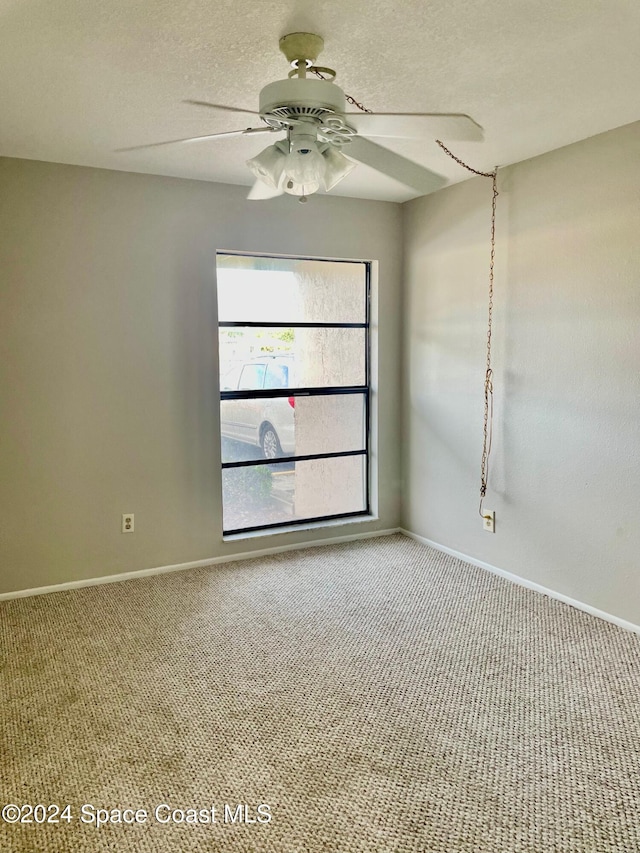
(261, 191)
(394, 165)
(249, 131)
(417, 126)
(221, 107)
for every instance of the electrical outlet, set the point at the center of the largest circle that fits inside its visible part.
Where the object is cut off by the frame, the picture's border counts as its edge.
(127, 522)
(489, 520)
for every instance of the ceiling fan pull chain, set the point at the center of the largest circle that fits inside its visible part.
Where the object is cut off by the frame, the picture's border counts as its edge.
(323, 72)
(355, 103)
(487, 431)
(464, 165)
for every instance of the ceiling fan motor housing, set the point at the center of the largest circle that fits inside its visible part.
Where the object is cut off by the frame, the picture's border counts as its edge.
(297, 98)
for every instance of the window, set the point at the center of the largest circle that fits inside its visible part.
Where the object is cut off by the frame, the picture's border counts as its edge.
(294, 390)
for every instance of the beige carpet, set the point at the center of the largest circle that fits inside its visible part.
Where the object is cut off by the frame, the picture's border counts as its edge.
(378, 696)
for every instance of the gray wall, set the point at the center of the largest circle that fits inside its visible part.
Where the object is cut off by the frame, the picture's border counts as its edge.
(108, 365)
(565, 479)
(108, 361)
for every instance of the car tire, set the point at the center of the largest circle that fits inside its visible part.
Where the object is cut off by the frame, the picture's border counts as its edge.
(270, 443)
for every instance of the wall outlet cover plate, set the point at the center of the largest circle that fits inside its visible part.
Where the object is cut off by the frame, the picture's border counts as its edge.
(489, 520)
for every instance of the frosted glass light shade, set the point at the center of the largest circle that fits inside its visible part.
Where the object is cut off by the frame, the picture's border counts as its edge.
(337, 167)
(305, 166)
(303, 170)
(268, 166)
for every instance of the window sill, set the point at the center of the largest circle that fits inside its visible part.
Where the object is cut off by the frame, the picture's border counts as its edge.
(301, 528)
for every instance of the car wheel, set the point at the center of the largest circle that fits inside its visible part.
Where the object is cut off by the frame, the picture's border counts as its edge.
(270, 443)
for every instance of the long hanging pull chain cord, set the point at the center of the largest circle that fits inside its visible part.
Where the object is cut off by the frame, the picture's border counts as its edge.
(487, 431)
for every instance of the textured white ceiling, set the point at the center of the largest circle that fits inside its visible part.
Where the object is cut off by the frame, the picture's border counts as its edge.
(81, 78)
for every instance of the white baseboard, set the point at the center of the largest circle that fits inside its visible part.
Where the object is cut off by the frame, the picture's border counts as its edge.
(536, 587)
(194, 564)
(334, 540)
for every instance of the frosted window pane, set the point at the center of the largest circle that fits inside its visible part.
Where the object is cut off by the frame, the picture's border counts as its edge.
(280, 290)
(294, 491)
(302, 426)
(303, 358)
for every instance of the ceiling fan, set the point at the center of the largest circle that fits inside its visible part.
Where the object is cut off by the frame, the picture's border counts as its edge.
(318, 131)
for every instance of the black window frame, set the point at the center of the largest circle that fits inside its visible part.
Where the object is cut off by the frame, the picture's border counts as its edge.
(320, 391)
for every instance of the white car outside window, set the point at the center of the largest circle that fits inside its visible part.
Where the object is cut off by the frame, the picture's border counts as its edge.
(265, 423)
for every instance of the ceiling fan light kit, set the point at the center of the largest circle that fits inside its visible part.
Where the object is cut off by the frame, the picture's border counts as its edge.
(301, 164)
(323, 141)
